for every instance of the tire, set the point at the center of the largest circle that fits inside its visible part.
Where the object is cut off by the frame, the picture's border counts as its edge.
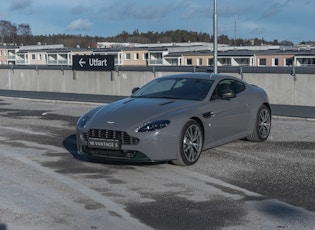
(262, 125)
(190, 144)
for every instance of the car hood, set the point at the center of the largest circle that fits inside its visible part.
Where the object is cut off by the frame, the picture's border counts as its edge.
(130, 112)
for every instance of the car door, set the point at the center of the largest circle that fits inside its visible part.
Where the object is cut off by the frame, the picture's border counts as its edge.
(228, 114)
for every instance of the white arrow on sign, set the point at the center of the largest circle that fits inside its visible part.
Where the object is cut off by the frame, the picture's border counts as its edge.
(81, 62)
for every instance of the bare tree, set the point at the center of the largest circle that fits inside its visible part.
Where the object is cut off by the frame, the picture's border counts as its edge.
(24, 32)
(7, 31)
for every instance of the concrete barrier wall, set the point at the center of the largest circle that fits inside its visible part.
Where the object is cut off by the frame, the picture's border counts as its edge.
(286, 89)
(281, 88)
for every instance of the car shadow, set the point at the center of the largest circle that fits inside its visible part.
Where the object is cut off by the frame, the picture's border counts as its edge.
(70, 144)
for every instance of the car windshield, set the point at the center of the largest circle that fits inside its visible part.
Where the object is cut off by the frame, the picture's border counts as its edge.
(175, 88)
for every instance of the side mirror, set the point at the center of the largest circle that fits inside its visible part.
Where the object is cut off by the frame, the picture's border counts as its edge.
(228, 94)
(134, 90)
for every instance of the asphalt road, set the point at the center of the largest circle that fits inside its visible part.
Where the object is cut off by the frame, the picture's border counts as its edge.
(242, 185)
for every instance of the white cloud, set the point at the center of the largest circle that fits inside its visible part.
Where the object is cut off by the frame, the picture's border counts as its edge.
(79, 24)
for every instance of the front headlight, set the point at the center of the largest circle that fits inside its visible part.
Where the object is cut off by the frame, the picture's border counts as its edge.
(83, 120)
(152, 126)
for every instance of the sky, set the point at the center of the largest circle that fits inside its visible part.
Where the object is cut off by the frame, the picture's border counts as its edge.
(284, 20)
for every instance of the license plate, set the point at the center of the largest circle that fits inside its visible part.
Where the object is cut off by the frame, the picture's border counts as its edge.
(104, 143)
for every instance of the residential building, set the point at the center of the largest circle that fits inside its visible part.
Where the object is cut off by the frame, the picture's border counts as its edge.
(64, 56)
(305, 58)
(134, 56)
(10, 55)
(34, 57)
(236, 58)
(196, 58)
(3, 55)
(170, 54)
(274, 58)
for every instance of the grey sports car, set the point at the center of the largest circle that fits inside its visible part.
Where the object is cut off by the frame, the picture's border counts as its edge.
(174, 118)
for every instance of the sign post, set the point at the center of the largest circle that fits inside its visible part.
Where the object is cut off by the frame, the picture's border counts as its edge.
(93, 62)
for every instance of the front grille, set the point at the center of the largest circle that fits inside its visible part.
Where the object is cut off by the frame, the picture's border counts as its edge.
(114, 155)
(110, 154)
(123, 137)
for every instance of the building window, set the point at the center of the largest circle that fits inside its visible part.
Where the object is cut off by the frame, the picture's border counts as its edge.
(242, 61)
(210, 61)
(275, 62)
(136, 56)
(145, 56)
(189, 61)
(199, 61)
(262, 61)
(33, 57)
(307, 61)
(225, 61)
(127, 56)
(288, 61)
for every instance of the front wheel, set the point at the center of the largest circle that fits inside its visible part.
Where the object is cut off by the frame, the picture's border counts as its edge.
(190, 145)
(262, 125)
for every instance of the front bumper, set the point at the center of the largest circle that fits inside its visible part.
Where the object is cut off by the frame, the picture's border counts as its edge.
(149, 147)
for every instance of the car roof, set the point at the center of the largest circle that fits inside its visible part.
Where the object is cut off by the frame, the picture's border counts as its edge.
(210, 76)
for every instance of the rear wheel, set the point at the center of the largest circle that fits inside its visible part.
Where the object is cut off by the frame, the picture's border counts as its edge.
(190, 145)
(262, 125)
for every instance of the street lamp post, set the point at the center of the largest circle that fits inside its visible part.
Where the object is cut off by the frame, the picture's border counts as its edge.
(215, 38)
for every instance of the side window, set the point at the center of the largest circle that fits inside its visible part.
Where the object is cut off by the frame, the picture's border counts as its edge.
(237, 86)
(227, 85)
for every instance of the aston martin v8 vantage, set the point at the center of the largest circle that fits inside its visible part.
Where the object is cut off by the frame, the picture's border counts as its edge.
(174, 118)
